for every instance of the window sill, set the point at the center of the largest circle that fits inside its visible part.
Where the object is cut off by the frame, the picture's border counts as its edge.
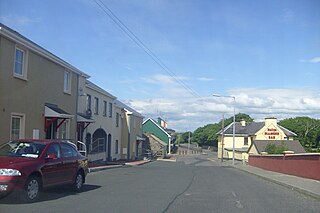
(21, 77)
(67, 92)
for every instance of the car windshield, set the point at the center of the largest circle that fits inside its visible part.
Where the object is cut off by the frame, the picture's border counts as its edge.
(22, 149)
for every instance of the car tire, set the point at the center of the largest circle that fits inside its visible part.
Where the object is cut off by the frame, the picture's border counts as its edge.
(31, 190)
(78, 181)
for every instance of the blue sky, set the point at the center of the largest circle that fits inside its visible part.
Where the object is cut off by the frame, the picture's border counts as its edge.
(265, 53)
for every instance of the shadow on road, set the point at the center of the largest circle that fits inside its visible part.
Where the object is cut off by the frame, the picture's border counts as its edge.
(48, 194)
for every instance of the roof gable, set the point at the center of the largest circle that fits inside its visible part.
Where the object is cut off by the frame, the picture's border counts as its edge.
(251, 129)
(157, 125)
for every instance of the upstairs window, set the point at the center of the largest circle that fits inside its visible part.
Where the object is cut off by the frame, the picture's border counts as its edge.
(96, 105)
(117, 119)
(104, 108)
(20, 60)
(67, 82)
(88, 102)
(110, 110)
(246, 141)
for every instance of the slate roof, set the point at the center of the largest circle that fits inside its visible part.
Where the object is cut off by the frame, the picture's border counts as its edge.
(251, 129)
(293, 145)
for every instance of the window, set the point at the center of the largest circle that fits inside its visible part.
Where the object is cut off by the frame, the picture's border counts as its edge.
(117, 119)
(116, 147)
(64, 130)
(68, 151)
(104, 108)
(17, 126)
(20, 63)
(246, 141)
(134, 122)
(54, 149)
(110, 110)
(67, 82)
(88, 102)
(96, 105)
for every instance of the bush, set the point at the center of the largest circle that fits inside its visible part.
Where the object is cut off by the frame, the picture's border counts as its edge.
(276, 149)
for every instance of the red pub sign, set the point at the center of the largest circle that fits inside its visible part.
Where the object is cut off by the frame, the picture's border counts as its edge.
(271, 133)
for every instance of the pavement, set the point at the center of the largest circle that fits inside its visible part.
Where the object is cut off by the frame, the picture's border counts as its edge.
(98, 167)
(305, 186)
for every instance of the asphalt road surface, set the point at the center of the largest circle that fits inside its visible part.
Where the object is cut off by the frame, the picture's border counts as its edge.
(193, 184)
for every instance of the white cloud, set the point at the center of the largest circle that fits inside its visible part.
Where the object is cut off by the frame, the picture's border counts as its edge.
(18, 20)
(315, 60)
(312, 60)
(190, 113)
(205, 79)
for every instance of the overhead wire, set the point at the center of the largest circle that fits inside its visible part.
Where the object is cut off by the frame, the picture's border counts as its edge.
(141, 44)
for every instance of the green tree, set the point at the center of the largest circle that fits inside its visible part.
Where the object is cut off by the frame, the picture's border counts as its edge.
(307, 130)
(238, 118)
(183, 137)
(207, 135)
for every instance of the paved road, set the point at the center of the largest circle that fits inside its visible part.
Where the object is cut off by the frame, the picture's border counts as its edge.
(193, 184)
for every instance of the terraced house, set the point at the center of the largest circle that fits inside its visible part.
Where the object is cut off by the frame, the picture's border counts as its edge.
(44, 97)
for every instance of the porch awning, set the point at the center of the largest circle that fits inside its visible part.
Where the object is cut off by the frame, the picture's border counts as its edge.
(139, 138)
(53, 111)
(83, 119)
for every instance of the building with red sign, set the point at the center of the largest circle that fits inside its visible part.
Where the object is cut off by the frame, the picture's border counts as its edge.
(247, 133)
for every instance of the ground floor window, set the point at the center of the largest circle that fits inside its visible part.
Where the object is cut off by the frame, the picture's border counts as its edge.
(17, 126)
(63, 131)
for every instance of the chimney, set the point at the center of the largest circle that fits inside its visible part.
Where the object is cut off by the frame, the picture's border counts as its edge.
(271, 120)
(243, 122)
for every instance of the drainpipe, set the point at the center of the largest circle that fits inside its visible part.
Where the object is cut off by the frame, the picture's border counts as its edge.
(77, 100)
(129, 136)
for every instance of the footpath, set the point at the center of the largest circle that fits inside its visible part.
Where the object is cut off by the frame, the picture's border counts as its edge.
(306, 186)
(94, 167)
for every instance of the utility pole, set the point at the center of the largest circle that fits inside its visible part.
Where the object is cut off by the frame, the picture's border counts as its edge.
(189, 144)
(222, 137)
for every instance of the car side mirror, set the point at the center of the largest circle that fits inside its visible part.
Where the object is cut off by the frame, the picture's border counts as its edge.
(52, 156)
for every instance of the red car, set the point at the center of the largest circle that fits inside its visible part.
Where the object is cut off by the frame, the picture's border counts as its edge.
(32, 165)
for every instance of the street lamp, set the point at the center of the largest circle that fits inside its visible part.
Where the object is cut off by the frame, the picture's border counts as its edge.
(234, 121)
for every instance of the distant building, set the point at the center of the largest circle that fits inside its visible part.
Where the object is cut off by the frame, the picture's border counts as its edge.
(247, 133)
(158, 129)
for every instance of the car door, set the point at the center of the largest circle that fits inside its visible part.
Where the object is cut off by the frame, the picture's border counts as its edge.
(70, 161)
(52, 169)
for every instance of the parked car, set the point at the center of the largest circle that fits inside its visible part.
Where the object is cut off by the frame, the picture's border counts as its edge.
(33, 165)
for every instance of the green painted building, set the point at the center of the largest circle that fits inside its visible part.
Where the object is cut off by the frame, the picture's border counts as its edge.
(151, 126)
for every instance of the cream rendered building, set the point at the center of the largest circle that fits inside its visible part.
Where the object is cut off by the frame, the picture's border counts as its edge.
(131, 132)
(246, 133)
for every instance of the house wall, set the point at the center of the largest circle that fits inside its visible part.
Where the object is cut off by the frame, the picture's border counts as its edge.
(44, 84)
(302, 165)
(104, 122)
(124, 136)
(270, 131)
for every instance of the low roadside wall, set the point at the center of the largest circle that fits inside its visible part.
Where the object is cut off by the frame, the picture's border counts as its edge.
(302, 165)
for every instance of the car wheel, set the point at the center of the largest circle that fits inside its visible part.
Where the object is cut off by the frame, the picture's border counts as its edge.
(32, 189)
(78, 182)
